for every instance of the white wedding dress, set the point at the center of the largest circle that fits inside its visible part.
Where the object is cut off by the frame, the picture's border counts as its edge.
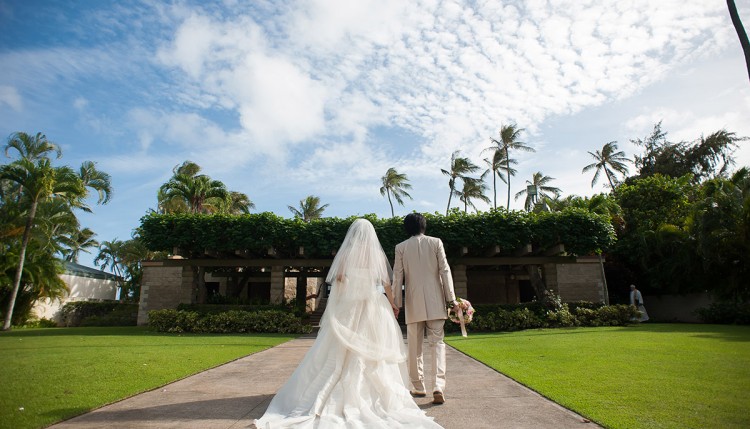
(354, 375)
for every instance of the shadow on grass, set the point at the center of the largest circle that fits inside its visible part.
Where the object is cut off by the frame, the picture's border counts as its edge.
(129, 414)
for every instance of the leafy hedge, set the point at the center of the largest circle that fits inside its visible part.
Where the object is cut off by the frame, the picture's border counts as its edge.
(535, 315)
(726, 313)
(233, 321)
(99, 313)
(582, 232)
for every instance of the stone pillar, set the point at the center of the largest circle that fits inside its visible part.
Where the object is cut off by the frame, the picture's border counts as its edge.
(460, 281)
(161, 287)
(277, 284)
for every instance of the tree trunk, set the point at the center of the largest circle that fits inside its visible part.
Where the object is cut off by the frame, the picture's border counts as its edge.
(611, 185)
(199, 284)
(388, 192)
(740, 33)
(494, 189)
(604, 279)
(19, 269)
(449, 201)
(537, 283)
(508, 206)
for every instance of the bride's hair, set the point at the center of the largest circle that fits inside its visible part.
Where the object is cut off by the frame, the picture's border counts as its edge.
(356, 312)
(360, 251)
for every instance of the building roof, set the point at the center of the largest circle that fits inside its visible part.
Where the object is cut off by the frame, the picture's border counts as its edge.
(74, 269)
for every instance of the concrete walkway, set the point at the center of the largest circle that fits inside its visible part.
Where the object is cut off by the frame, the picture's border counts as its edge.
(232, 395)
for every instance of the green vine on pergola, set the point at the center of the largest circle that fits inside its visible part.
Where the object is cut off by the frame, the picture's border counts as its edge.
(581, 232)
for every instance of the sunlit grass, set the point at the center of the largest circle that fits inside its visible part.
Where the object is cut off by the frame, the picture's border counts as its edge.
(647, 376)
(52, 374)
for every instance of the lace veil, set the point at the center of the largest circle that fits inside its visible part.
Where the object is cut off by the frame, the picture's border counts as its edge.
(356, 312)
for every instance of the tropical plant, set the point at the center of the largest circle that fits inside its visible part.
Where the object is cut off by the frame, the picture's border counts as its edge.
(720, 223)
(509, 135)
(539, 183)
(37, 182)
(459, 169)
(702, 159)
(79, 242)
(473, 189)
(395, 183)
(309, 209)
(200, 193)
(610, 161)
(495, 166)
(235, 203)
(110, 256)
(123, 258)
(190, 192)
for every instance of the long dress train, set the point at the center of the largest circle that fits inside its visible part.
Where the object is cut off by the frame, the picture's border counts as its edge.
(354, 375)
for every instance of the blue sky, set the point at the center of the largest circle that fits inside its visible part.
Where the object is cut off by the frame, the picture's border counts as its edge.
(281, 100)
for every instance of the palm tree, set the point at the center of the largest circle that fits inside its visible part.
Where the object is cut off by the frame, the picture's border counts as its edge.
(96, 180)
(236, 203)
(609, 160)
(79, 242)
(309, 209)
(395, 183)
(460, 168)
(495, 166)
(740, 29)
(110, 256)
(39, 181)
(473, 190)
(538, 182)
(31, 147)
(195, 191)
(509, 135)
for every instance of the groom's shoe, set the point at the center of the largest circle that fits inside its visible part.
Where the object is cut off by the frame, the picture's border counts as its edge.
(438, 398)
(418, 394)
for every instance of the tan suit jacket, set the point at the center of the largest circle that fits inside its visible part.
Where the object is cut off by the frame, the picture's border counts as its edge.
(421, 266)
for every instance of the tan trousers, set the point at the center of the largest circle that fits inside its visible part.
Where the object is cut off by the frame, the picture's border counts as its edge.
(415, 336)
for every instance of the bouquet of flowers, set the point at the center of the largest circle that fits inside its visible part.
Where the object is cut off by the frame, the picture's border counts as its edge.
(464, 316)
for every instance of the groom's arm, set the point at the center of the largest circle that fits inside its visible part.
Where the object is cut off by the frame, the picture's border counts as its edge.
(445, 273)
(398, 277)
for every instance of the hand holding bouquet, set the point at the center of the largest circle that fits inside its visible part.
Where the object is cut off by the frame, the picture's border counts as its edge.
(464, 315)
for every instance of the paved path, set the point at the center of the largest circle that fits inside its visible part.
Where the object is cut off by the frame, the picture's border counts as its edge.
(232, 395)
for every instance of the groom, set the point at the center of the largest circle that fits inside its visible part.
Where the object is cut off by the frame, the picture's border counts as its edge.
(422, 268)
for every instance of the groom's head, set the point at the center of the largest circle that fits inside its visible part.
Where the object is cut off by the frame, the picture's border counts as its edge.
(415, 223)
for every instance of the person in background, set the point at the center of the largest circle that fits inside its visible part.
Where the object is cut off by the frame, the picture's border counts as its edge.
(636, 299)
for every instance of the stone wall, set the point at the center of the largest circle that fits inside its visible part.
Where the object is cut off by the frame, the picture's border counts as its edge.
(581, 281)
(163, 287)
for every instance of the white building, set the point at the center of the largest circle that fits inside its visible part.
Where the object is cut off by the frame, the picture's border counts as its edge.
(84, 284)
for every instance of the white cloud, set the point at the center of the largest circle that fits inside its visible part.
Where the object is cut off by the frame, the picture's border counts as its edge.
(10, 96)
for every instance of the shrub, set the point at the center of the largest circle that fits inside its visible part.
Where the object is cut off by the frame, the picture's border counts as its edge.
(121, 315)
(99, 313)
(40, 323)
(561, 318)
(509, 317)
(726, 313)
(233, 321)
(616, 315)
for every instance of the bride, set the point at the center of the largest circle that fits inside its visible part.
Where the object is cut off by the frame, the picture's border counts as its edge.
(354, 375)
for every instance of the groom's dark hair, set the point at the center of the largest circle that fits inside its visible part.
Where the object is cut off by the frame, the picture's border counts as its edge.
(415, 223)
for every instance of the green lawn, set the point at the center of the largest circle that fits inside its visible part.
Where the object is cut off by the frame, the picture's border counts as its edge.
(647, 376)
(49, 375)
